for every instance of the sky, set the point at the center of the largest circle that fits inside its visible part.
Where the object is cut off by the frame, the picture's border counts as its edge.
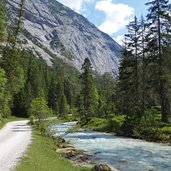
(110, 16)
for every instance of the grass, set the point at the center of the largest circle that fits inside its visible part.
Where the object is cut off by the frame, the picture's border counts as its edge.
(106, 125)
(42, 156)
(98, 124)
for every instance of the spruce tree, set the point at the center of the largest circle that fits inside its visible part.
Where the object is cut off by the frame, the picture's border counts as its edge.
(158, 17)
(129, 71)
(88, 92)
(3, 82)
(2, 20)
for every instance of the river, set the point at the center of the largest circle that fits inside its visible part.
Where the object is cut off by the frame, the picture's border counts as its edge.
(125, 154)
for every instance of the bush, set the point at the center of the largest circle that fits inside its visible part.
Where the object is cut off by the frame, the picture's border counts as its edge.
(148, 126)
(150, 133)
(58, 140)
(32, 119)
(164, 137)
(109, 125)
(114, 124)
(166, 130)
(43, 129)
(97, 124)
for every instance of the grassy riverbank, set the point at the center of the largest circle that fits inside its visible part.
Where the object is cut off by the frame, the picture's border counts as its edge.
(157, 132)
(42, 156)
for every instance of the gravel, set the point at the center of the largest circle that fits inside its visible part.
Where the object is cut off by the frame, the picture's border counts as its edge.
(14, 140)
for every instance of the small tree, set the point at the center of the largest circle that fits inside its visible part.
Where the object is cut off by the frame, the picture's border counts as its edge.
(39, 109)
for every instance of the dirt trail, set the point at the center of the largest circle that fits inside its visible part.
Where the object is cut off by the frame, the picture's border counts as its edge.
(14, 140)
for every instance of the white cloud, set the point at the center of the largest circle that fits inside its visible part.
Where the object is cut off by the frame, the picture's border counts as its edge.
(74, 4)
(117, 15)
(119, 39)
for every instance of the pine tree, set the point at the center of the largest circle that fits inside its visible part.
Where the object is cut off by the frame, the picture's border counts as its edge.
(158, 18)
(11, 58)
(63, 104)
(126, 90)
(88, 92)
(2, 20)
(10, 62)
(53, 96)
(129, 71)
(16, 26)
(3, 82)
(143, 63)
(108, 91)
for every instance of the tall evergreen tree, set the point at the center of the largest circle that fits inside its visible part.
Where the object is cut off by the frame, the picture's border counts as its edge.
(2, 20)
(143, 62)
(3, 81)
(158, 18)
(53, 98)
(129, 70)
(88, 91)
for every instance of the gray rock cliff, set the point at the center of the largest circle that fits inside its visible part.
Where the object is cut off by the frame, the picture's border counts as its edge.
(51, 30)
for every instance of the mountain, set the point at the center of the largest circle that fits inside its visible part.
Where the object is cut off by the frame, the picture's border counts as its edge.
(53, 30)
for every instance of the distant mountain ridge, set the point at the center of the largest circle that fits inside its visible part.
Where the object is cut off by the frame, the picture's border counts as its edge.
(52, 30)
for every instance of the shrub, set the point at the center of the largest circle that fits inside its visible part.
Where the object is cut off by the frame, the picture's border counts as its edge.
(32, 119)
(148, 126)
(43, 129)
(58, 140)
(166, 130)
(114, 124)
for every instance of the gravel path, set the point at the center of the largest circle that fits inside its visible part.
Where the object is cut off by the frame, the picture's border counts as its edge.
(14, 140)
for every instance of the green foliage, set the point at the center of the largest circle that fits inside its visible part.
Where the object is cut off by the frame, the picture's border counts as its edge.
(109, 125)
(58, 141)
(147, 124)
(64, 107)
(2, 20)
(107, 87)
(97, 124)
(11, 63)
(43, 128)
(166, 130)
(5, 97)
(39, 109)
(42, 156)
(32, 119)
(158, 43)
(115, 123)
(6, 110)
(3, 82)
(144, 79)
(89, 94)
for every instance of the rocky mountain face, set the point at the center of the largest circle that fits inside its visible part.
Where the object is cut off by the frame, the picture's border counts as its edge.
(53, 30)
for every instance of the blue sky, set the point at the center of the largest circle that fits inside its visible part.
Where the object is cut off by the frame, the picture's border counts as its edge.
(110, 16)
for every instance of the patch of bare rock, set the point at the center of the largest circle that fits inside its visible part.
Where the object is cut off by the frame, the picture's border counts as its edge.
(79, 158)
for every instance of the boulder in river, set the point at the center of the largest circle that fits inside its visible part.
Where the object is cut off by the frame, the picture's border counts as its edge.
(103, 167)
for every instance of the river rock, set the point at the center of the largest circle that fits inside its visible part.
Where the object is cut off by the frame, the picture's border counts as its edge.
(103, 167)
(77, 157)
(123, 161)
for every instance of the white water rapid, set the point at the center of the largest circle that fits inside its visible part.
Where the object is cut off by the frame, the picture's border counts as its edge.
(125, 154)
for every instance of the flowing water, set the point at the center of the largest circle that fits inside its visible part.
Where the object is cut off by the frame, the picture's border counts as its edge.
(126, 154)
